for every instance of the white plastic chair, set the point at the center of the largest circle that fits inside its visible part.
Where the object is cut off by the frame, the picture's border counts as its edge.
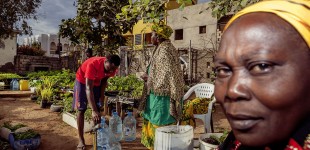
(203, 90)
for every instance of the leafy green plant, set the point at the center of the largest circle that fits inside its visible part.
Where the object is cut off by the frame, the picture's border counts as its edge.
(6, 77)
(13, 127)
(221, 8)
(30, 50)
(9, 76)
(126, 84)
(38, 75)
(88, 114)
(39, 87)
(221, 139)
(47, 94)
(4, 145)
(48, 82)
(67, 102)
(25, 135)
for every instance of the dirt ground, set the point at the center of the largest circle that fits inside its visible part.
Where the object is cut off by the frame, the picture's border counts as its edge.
(57, 135)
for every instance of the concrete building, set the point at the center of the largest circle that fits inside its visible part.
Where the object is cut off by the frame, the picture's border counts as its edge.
(193, 26)
(7, 51)
(49, 43)
(195, 29)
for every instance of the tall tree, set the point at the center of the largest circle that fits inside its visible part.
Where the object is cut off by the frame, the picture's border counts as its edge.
(94, 22)
(221, 8)
(14, 15)
(150, 11)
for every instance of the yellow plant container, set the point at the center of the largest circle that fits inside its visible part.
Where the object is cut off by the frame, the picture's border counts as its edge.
(24, 85)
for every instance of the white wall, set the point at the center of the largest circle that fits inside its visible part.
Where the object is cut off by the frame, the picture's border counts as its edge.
(46, 40)
(189, 20)
(8, 52)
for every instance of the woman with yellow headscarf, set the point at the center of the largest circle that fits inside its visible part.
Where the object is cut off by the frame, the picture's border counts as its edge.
(263, 76)
(164, 86)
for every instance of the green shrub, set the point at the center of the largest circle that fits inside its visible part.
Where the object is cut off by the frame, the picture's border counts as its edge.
(32, 51)
(25, 135)
(125, 84)
(4, 76)
(13, 127)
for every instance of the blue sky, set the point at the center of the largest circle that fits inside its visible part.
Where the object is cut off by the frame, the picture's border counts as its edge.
(50, 14)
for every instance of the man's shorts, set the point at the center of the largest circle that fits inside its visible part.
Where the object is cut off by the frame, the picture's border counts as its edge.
(80, 98)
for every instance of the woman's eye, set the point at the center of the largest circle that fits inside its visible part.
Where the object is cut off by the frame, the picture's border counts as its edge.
(222, 72)
(261, 68)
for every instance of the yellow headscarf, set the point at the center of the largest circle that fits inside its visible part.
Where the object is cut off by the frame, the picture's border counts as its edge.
(296, 12)
(162, 30)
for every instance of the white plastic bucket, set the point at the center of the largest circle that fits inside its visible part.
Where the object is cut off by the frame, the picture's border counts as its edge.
(208, 146)
(167, 138)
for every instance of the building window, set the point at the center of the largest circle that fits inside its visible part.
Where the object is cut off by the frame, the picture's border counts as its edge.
(178, 34)
(147, 38)
(138, 39)
(202, 29)
(208, 65)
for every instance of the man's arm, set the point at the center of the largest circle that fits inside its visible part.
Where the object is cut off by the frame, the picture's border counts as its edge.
(103, 87)
(91, 101)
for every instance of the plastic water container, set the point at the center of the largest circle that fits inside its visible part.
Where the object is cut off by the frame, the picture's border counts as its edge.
(24, 85)
(11, 84)
(115, 146)
(15, 85)
(2, 84)
(115, 125)
(129, 127)
(103, 136)
(169, 138)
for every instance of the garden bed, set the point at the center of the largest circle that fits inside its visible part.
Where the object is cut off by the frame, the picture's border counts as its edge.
(71, 120)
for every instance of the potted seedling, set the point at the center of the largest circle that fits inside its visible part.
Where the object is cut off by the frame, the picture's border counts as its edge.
(46, 95)
(211, 141)
(21, 136)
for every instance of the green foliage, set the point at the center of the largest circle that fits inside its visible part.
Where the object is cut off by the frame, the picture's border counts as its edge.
(49, 87)
(124, 84)
(63, 78)
(94, 22)
(13, 127)
(221, 8)
(5, 76)
(224, 136)
(25, 135)
(88, 114)
(150, 11)
(67, 102)
(4, 145)
(38, 75)
(14, 16)
(220, 139)
(34, 50)
(47, 94)
(48, 81)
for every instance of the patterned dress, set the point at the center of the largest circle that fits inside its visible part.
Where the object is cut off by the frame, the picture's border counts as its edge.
(162, 93)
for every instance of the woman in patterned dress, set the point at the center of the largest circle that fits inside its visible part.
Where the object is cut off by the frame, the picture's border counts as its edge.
(164, 86)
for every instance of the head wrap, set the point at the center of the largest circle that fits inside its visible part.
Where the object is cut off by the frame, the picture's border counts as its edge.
(295, 12)
(162, 30)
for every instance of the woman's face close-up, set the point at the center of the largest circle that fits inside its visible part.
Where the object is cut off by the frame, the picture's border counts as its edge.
(263, 79)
